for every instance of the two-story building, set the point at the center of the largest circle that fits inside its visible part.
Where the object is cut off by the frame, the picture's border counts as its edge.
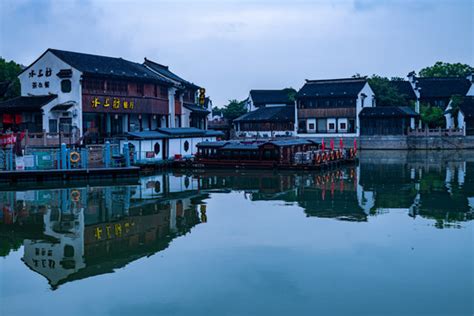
(95, 97)
(270, 113)
(187, 110)
(332, 107)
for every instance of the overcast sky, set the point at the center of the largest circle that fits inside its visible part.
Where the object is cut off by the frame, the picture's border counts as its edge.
(230, 47)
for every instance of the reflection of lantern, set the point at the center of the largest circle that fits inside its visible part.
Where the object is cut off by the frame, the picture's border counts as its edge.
(154, 117)
(116, 116)
(139, 116)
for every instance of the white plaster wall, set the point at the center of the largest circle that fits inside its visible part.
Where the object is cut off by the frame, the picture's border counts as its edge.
(144, 146)
(56, 64)
(471, 90)
(171, 111)
(367, 90)
(185, 117)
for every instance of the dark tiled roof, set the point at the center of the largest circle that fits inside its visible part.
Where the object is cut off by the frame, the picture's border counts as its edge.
(146, 135)
(404, 87)
(182, 131)
(467, 106)
(262, 97)
(211, 133)
(241, 146)
(442, 87)
(196, 108)
(348, 87)
(289, 142)
(269, 114)
(108, 66)
(217, 144)
(164, 71)
(63, 106)
(388, 111)
(30, 103)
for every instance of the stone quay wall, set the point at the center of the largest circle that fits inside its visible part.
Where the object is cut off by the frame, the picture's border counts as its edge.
(416, 143)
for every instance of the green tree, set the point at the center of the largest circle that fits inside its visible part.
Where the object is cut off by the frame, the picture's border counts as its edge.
(291, 93)
(234, 109)
(216, 111)
(441, 69)
(386, 94)
(432, 116)
(9, 83)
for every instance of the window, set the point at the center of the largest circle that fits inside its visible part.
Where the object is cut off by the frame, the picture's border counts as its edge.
(94, 84)
(66, 86)
(332, 126)
(53, 126)
(140, 88)
(68, 251)
(65, 124)
(186, 146)
(117, 86)
(311, 126)
(343, 126)
(163, 91)
(156, 148)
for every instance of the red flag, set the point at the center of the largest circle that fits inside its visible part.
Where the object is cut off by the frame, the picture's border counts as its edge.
(341, 143)
(332, 144)
(355, 144)
(323, 145)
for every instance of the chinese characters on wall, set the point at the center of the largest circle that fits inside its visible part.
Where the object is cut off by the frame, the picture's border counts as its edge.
(113, 103)
(40, 77)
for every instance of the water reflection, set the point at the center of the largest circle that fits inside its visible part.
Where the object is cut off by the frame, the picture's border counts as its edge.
(75, 233)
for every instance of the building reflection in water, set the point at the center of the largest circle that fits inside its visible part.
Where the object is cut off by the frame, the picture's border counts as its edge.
(71, 234)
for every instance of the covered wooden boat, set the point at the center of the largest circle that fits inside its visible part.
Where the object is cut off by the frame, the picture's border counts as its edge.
(273, 154)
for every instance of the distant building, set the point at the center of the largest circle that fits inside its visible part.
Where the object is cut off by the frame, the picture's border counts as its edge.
(387, 120)
(437, 91)
(405, 89)
(332, 106)
(465, 116)
(271, 113)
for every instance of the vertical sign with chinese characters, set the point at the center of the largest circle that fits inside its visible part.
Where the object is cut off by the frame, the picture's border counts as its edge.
(202, 96)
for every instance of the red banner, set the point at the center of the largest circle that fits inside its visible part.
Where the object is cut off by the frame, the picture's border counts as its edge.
(8, 139)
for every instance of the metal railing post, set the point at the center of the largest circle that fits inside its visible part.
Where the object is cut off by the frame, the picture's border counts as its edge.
(107, 154)
(126, 154)
(63, 156)
(84, 158)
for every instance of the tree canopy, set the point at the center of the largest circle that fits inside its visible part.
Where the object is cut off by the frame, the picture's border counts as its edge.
(291, 93)
(432, 116)
(385, 93)
(9, 83)
(234, 109)
(441, 69)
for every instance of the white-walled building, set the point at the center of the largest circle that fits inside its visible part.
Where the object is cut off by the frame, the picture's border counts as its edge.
(95, 97)
(332, 107)
(270, 113)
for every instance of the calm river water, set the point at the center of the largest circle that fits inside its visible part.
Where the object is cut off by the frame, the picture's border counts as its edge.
(392, 235)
